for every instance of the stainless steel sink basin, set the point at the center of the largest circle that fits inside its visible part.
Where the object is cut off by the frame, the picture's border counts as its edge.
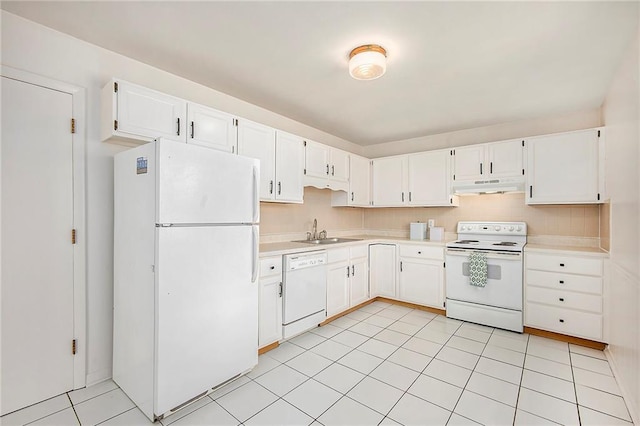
(328, 241)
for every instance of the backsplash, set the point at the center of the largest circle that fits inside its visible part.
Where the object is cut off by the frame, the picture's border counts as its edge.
(580, 221)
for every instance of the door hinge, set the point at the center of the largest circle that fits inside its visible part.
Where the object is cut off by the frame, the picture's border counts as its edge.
(304, 171)
(74, 346)
(598, 133)
(115, 124)
(522, 143)
(115, 87)
(73, 125)
(305, 143)
(73, 236)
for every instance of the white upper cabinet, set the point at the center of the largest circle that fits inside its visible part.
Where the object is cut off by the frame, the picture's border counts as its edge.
(430, 179)
(289, 168)
(281, 158)
(505, 158)
(133, 114)
(259, 141)
(359, 194)
(326, 167)
(488, 161)
(564, 168)
(389, 187)
(211, 128)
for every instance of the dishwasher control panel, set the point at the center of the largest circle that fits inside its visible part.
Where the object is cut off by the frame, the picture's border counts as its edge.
(306, 260)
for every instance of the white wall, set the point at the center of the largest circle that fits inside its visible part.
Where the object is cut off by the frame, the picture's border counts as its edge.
(498, 132)
(621, 115)
(40, 50)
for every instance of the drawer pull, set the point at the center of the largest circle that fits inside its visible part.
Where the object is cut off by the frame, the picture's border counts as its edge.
(562, 264)
(272, 267)
(561, 281)
(561, 299)
(561, 320)
(419, 252)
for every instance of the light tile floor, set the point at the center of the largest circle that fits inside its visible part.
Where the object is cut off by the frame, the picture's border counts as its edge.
(385, 364)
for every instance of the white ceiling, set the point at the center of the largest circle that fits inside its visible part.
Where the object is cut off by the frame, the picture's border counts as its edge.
(451, 65)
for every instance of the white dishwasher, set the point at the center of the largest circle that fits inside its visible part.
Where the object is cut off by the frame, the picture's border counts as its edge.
(304, 292)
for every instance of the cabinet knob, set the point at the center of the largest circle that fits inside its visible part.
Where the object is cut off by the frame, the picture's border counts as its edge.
(562, 264)
(272, 267)
(561, 299)
(561, 320)
(561, 281)
(419, 252)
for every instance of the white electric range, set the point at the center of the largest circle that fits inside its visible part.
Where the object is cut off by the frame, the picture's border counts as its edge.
(499, 302)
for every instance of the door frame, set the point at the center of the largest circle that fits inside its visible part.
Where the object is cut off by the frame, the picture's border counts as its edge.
(79, 140)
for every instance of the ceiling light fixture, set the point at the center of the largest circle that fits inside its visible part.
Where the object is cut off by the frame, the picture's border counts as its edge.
(367, 62)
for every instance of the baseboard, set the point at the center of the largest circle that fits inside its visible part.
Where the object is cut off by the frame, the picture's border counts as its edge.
(267, 348)
(348, 311)
(412, 305)
(629, 401)
(564, 338)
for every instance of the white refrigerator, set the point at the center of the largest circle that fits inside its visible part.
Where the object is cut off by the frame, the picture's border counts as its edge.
(185, 272)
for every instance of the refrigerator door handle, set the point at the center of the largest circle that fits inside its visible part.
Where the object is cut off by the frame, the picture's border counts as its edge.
(254, 262)
(256, 197)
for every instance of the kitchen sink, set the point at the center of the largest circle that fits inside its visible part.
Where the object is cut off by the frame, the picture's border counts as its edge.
(328, 241)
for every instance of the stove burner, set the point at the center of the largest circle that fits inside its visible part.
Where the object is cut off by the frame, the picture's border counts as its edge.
(505, 243)
(467, 241)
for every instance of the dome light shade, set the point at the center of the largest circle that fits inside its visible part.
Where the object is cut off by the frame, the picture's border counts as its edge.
(367, 62)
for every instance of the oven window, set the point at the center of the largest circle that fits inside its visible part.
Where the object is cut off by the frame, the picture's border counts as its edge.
(494, 272)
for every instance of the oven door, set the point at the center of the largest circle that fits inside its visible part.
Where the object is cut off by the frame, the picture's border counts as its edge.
(504, 279)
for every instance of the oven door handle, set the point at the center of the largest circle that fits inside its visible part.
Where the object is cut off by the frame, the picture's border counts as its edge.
(490, 255)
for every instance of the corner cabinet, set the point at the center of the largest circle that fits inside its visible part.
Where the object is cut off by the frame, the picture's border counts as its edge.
(382, 270)
(270, 301)
(565, 168)
(421, 275)
(326, 167)
(359, 193)
(281, 160)
(132, 114)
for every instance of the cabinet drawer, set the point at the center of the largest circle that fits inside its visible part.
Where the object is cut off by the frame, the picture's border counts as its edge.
(271, 266)
(338, 255)
(565, 264)
(421, 252)
(565, 321)
(565, 299)
(359, 251)
(569, 282)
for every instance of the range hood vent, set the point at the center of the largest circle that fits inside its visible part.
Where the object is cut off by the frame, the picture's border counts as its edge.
(489, 186)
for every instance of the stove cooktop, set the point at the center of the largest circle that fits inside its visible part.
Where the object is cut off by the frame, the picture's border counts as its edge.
(498, 236)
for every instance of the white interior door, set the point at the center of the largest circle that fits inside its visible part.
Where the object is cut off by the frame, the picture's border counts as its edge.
(37, 254)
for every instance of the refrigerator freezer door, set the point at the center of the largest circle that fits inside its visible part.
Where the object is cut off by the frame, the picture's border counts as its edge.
(207, 310)
(199, 185)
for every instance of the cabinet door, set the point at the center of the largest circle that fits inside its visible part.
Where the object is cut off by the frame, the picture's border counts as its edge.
(505, 159)
(338, 288)
(211, 128)
(359, 285)
(468, 163)
(389, 181)
(382, 270)
(151, 114)
(421, 282)
(563, 168)
(270, 311)
(259, 141)
(360, 181)
(429, 182)
(339, 165)
(289, 167)
(316, 160)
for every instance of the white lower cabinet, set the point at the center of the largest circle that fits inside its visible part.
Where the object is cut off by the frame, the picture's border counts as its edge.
(382, 270)
(421, 275)
(347, 278)
(563, 293)
(270, 301)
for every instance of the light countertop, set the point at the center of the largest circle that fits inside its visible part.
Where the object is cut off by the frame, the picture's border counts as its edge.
(589, 251)
(288, 247)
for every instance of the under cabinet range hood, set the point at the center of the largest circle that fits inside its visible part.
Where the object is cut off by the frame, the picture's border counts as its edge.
(488, 186)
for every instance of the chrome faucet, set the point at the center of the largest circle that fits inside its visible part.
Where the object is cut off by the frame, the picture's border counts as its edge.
(314, 233)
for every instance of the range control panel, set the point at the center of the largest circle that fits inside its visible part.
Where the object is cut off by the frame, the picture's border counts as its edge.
(493, 228)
